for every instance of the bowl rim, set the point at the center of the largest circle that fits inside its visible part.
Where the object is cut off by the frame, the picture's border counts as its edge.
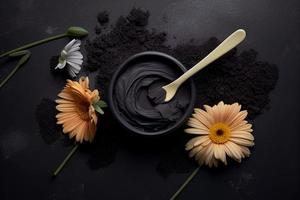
(128, 126)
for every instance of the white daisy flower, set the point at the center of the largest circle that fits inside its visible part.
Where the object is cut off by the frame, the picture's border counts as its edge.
(72, 56)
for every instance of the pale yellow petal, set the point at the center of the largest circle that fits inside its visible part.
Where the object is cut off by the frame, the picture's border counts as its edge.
(223, 154)
(219, 152)
(199, 157)
(232, 151)
(196, 141)
(222, 110)
(202, 119)
(196, 131)
(245, 151)
(242, 134)
(243, 142)
(244, 126)
(195, 150)
(190, 144)
(208, 114)
(233, 111)
(238, 118)
(216, 113)
(196, 124)
(209, 154)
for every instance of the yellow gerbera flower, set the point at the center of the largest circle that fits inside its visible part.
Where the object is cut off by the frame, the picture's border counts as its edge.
(222, 131)
(77, 112)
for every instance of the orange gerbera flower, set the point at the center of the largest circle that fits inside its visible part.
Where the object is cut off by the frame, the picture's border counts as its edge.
(77, 106)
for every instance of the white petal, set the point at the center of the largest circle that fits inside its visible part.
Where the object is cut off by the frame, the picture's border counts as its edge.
(74, 65)
(75, 53)
(69, 45)
(74, 69)
(75, 60)
(70, 56)
(60, 65)
(77, 43)
(71, 72)
(74, 49)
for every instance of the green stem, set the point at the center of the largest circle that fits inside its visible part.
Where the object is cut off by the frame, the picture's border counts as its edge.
(185, 184)
(34, 44)
(22, 61)
(64, 162)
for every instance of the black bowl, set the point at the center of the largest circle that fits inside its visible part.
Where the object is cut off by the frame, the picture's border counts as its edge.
(157, 57)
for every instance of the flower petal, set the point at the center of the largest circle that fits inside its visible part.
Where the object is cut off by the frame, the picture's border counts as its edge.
(242, 134)
(69, 45)
(60, 65)
(238, 118)
(209, 155)
(74, 65)
(233, 110)
(74, 49)
(195, 150)
(243, 142)
(196, 141)
(196, 131)
(243, 126)
(71, 72)
(75, 53)
(233, 151)
(75, 61)
(196, 124)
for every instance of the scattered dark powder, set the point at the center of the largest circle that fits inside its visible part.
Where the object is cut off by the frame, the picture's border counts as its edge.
(103, 18)
(236, 77)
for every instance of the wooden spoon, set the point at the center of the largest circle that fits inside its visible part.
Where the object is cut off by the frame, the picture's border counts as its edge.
(229, 43)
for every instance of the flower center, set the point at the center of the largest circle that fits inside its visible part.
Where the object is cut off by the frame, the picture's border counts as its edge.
(219, 133)
(83, 110)
(62, 57)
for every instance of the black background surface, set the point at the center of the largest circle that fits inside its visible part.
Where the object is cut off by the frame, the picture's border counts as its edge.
(26, 160)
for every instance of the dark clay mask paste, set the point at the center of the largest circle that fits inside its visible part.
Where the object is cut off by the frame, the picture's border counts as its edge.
(131, 96)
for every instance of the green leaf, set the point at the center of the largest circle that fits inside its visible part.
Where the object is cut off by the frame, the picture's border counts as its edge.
(102, 104)
(76, 31)
(98, 109)
(24, 58)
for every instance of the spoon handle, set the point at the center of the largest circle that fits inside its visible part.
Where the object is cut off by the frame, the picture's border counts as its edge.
(229, 43)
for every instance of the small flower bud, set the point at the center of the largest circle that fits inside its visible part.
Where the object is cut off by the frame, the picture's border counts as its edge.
(76, 31)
